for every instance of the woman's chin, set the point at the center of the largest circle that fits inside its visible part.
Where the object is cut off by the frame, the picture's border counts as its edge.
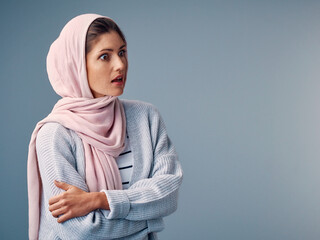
(114, 93)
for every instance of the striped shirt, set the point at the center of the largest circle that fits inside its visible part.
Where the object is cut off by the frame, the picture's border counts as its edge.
(125, 164)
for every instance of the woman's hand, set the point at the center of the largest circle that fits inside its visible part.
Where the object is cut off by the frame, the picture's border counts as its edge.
(75, 202)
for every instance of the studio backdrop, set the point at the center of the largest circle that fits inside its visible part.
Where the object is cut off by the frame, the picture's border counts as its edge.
(237, 83)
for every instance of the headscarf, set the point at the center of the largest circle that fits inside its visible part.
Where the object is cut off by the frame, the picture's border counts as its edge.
(99, 122)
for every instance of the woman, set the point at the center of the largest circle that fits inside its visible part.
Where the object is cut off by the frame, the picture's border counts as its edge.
(98, 167)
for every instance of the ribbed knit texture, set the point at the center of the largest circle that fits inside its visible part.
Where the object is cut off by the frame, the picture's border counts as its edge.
(135, 213)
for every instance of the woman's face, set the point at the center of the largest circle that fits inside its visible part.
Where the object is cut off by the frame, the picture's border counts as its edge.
(107, 65)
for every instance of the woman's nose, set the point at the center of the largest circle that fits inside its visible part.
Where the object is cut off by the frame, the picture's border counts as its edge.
(119, 64)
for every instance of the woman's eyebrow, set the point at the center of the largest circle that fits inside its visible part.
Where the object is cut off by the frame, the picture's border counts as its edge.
(111, 50)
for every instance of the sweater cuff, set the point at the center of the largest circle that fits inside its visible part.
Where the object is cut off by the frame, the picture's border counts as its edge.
(118, 202)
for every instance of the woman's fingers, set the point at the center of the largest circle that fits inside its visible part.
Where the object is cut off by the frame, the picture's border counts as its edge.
(65, 217)
(62, 185)
(62, 214)
(55, 206)
(58, 212)
(54, 199)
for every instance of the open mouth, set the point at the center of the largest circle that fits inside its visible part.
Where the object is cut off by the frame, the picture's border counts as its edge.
(118, 79)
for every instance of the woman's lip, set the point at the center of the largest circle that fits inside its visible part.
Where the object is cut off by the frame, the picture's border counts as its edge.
(118, 83)
(119, 76)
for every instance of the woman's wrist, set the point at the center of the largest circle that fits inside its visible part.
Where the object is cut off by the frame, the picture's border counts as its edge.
(99, 200)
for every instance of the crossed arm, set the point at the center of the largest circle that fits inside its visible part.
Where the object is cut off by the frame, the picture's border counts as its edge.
(57, 161)
(84, 213)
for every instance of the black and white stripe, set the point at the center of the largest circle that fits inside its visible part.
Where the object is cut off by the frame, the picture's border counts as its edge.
(125, 164)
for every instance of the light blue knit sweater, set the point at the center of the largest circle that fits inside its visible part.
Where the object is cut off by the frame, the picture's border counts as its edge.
(135, 213)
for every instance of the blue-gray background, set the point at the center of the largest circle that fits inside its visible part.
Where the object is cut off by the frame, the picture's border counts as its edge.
(237, 83)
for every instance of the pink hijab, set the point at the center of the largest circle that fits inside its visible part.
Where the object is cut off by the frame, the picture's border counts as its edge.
(99, 122)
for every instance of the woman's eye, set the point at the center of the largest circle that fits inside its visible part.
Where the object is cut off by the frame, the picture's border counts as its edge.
(122, 53)
(104, 57)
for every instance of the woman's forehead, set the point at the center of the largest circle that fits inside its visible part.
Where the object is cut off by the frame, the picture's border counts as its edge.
(110, 41)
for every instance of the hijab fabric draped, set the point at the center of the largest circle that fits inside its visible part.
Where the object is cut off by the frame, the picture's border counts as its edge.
(99, 122)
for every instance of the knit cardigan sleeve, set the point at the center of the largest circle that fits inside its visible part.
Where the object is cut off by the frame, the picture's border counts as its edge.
(154, 194)
(57, 161)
